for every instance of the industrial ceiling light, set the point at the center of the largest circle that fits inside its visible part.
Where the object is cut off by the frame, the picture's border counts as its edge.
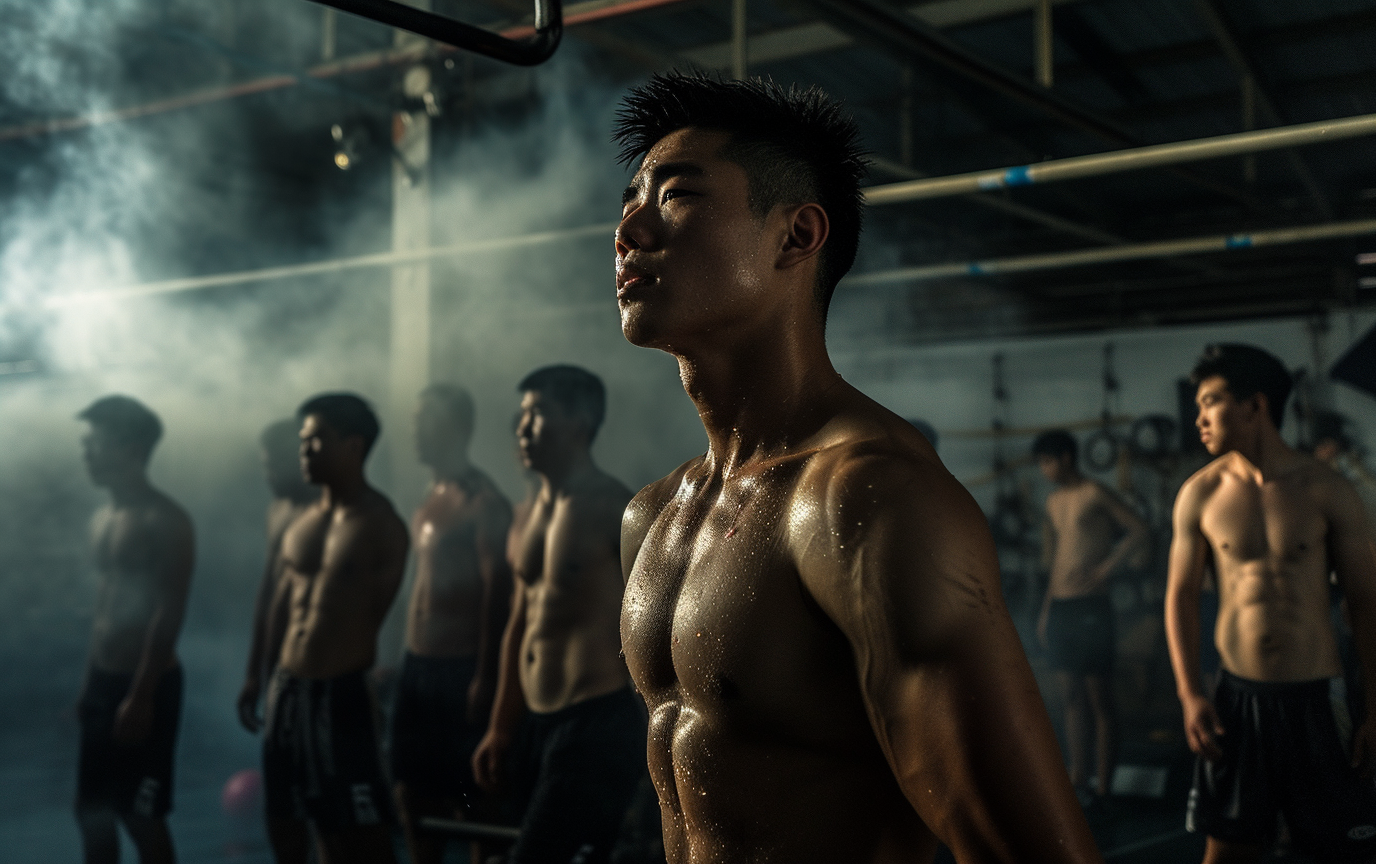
(346, 149)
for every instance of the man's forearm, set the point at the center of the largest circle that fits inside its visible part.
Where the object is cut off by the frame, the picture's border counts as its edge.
(509, 703)
(158, 650)
(1182, 638)
(1361, 609)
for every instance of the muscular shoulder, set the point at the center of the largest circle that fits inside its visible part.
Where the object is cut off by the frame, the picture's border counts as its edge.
(1195, 492)
(880, 489)
(167, 519)
(644, 508)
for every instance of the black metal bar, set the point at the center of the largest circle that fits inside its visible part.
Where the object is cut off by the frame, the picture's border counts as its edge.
(531, 51)
(470, 830)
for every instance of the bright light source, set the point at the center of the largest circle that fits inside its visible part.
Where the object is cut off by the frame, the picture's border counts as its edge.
(1364, 258)
(342, 161)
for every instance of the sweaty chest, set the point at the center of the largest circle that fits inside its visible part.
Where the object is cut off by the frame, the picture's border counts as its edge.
(714, 610)
(305, 544)
(1270, 522)
(126, 544)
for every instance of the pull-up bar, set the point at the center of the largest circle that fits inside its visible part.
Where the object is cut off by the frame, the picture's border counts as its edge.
(1131, 159)
(530, 51)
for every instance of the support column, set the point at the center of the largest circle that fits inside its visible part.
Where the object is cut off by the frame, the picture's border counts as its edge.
(409, 369)
(1043, 39)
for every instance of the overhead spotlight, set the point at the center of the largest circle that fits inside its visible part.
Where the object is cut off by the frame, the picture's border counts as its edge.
(1365, 258)
(346, 151)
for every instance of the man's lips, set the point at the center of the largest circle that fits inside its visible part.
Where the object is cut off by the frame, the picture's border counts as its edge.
(629, 277)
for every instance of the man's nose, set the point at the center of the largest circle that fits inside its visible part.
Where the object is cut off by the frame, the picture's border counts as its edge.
(633, 232)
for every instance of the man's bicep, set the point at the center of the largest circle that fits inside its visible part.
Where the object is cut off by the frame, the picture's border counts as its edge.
(1350, 542)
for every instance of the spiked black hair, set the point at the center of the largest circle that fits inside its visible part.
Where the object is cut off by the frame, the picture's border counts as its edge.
(796, 146)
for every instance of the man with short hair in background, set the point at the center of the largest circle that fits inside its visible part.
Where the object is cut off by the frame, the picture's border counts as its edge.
(1076, 622)
(563, 690)
(458, 607)
(342, 562)
(1275, 737)
(291, 495)
(130, 702)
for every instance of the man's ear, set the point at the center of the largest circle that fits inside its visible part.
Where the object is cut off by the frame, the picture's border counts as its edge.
(1262, 404)
(808, 229)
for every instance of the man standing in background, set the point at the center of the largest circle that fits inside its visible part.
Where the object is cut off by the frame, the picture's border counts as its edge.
(454, 624)
(1275, 737)
(130, 703)
(291, 495)
(1076, 621)
(562, 680)
(342, 562)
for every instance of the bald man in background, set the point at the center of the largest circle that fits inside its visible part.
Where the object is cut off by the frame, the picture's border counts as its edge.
(458, 607)
(291, 495)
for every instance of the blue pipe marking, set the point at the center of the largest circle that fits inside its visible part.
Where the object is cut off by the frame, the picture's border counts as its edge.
(975, 268)
(1238, 241)
(1018, 176)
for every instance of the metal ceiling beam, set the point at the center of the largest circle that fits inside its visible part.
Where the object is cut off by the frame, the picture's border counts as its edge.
(1247, 74)
(896, 31)
(805, 39)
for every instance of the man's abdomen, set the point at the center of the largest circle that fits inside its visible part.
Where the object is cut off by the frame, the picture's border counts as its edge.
(741, 795)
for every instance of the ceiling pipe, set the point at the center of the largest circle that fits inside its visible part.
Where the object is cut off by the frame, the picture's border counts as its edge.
(1111, 254)
(1116, 161)
(577, 13)
(898, 31)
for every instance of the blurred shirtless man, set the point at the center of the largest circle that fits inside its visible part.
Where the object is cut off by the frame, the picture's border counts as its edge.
(813, 610)
(342, 561)
(132, 697)
(1276, 736)
(291, 495)
(1076, 622)
(581, 742)
(454, 624)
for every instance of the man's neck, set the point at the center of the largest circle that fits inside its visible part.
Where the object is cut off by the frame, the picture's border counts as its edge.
(452, 467)
(345, 491)
(1071, 480)
(760, 398)
(130, 491)
(1267, 453)
(567, 474)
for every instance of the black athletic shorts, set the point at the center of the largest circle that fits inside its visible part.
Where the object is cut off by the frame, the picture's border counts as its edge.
(129, 780)
(1287, 750)
(575, 772)
(1079, 635)
(431, 740)
(320, 753)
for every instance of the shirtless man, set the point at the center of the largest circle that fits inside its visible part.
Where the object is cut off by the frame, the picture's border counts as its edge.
(454, 624)
(581, 741)
(131, 700)
(342, 562)
(813, 607)
(1076, 621)
(291, 495)
(1276, 736)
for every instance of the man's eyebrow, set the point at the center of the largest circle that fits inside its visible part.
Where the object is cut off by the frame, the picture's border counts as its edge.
(660, 173)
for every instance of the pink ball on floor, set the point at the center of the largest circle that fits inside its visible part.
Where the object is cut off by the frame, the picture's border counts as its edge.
(242, 792)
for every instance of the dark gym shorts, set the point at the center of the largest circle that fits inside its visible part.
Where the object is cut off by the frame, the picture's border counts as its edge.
(1287, 750)
(431, 740)
(321, 759)
(574, 774)
(129, 780)
(1079, 635)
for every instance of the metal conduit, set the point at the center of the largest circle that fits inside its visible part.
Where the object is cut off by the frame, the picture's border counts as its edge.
(1109, 254)
(1123, 160)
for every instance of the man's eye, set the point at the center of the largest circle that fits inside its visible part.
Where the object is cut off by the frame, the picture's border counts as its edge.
(670, 194)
